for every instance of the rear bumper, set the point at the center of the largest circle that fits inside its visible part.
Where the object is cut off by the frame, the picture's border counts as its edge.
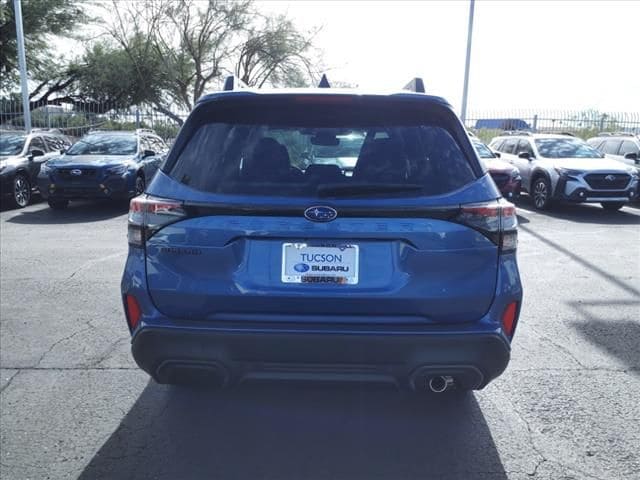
(234, 355)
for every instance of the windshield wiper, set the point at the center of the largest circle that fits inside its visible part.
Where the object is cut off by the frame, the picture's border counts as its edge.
(343, 190)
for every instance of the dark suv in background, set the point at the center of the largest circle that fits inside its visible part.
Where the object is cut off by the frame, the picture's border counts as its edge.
(103, 165)
(21, 155)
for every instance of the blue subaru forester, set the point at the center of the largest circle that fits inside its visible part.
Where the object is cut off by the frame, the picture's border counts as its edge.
(253, 259)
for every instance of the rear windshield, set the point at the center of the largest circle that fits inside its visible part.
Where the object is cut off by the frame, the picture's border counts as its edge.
(565, 148)
(105, 144)
(313, 159)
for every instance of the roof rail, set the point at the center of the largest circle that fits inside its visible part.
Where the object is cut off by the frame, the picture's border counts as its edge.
(564, 133)
(50, 130)
(616, 134)
(415, 85)
(145, 130)
(233, 83)
(324, 82)
(517, 132)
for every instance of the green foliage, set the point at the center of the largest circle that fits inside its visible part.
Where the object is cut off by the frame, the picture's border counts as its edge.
(486, 134)
(41, 20)
(276, 53)
(193, 44)
(109, 74)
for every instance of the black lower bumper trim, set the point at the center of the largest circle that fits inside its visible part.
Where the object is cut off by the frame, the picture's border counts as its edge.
(170, 354)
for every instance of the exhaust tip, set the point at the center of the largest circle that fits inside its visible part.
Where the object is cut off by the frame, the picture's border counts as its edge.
(440, 383)
(211, 375)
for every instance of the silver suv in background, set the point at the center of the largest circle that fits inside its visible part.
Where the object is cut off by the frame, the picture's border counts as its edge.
(564, 168)
(21, 156)
(624, 147)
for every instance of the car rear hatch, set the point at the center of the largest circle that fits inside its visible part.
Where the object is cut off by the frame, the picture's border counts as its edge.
(241, 247)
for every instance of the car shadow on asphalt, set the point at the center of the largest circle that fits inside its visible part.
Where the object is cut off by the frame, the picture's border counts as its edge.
(582, 261)
(581, 213)
(290, 431)
(76, 212)
(618, 337)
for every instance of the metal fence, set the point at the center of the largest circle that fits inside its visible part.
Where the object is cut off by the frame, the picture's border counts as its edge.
(77, 119)
(581, 123)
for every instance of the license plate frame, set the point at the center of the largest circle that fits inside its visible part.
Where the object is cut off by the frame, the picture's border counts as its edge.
(299, 269)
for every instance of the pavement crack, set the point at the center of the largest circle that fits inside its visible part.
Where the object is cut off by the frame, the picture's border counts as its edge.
(112, 348)
(15, 374)
(91, 263)
(530, 434)
(63, 339)
(564, 349)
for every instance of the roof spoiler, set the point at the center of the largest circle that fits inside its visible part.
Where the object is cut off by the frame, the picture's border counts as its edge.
(415, 85)
(233, 83)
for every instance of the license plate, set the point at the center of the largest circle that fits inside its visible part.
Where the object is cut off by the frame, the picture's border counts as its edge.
(327, 264)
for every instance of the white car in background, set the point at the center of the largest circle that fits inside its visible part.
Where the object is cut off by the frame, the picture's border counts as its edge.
(565, 168)
(624, 147)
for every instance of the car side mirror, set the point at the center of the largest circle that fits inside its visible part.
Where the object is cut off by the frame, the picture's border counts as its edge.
(148, 153)
(631, 156)
(525, 155)
(497, 154)
(63, 151)
(35, 153)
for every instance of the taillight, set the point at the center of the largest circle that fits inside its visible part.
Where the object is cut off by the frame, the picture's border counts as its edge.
(509, 318)
(497, 220)
(149, 214)
(133, 311)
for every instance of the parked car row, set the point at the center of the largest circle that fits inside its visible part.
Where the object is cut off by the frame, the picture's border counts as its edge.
(561, 167)
(119, 164)
(101, 165)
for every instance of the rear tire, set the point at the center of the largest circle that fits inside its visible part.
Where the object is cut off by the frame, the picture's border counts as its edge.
(541, 193)
(58, 203)
(21, 191)
(612, 206)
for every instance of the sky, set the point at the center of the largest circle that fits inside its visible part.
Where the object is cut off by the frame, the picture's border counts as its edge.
(525, 54)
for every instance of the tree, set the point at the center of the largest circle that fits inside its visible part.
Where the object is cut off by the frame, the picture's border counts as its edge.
(106, 74)
(194, 43)
(276, 53)
(42, 20)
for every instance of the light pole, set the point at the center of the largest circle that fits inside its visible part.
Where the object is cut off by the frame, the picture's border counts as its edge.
(26, 113)
(465, 89)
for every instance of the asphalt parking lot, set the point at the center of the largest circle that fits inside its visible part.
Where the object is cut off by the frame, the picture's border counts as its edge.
(74, 405)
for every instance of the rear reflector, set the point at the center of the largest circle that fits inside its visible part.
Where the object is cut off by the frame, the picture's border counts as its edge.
(133, 311)
(509, 318)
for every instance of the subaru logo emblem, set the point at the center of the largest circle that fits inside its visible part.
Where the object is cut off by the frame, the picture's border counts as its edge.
(610, 178)
(301, 267)
(320, 214)
(76, 172)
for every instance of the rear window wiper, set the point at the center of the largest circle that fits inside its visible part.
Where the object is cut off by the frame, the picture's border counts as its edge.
(354, 190)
